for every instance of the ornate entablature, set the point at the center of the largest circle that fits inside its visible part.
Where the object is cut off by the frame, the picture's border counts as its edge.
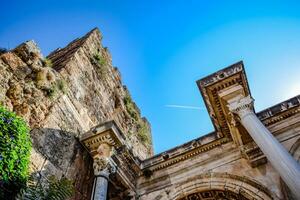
(183, 152)
(210, 88)
(107, 132)
(280, 111)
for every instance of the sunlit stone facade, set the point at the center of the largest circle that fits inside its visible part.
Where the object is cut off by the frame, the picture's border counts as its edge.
(249, 155)
(91, 133)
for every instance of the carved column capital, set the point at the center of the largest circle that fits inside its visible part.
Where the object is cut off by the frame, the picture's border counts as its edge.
(102, 164)
(241, 106)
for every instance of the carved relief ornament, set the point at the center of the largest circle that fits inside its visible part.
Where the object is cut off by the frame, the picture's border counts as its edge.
(102, 160)
(241, 106)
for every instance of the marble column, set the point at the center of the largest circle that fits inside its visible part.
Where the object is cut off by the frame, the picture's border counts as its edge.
(103, 166)
(278, 156)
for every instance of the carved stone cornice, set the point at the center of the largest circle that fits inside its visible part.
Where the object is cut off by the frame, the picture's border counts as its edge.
(280, 111)
(164, 161)
(212, 85)
(227, 96)
(107, 132)
(221, 75)
(253, 154)
(127, 163)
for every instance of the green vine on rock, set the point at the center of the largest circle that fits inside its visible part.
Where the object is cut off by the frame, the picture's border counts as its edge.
(15, 146)
(47, 62)
(143, 132)
(101, 63)
(130, 107)
(53, 90)
(101, 60)
(62, 86)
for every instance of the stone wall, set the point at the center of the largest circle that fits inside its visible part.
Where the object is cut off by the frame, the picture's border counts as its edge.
(65, 95)
(222, 168)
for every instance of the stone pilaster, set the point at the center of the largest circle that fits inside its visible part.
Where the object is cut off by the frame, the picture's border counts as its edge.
(278, 156)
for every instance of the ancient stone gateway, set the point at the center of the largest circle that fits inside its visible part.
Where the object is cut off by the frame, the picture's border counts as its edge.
(295, 150)
(243, 159)
(105, 150)
(246, 157)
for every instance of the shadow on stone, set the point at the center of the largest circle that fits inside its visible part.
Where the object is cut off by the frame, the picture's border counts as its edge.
(59, 153)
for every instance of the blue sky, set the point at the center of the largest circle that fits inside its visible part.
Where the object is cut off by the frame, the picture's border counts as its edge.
(163, 47)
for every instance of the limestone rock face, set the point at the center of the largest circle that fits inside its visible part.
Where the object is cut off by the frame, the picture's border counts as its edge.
(65, 95)
(20, 81)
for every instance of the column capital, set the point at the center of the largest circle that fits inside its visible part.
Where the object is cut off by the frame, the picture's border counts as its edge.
(241, 105)
(100, 142)
(103, 166)
(102, 160)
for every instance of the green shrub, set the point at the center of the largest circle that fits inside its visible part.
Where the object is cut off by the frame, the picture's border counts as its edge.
(59, 85)
(47, 62)
(59, 189)
(15, 146)
(62, 86)
(100, 60)
(101, 63)
(130, 107)
(41, 76)
(143, 132)
(51, 92)
(54, 190)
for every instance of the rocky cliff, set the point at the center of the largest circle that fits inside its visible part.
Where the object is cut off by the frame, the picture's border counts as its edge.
(64, 95)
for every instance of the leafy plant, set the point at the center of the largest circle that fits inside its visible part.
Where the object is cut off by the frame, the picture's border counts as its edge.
(15, 146)
(101, 62)
(41, 76)
(31, 191)
(51, 92)
(143, 132)
(59, 189)
(53, 190)
(130, 107)
(47, 62)
(142, 129)
(59, 85)
(62, 86)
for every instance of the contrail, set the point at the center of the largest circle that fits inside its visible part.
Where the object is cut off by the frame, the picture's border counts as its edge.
(184, 107)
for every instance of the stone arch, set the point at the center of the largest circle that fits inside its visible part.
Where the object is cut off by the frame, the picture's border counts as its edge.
(295, 152)
(218, 182)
